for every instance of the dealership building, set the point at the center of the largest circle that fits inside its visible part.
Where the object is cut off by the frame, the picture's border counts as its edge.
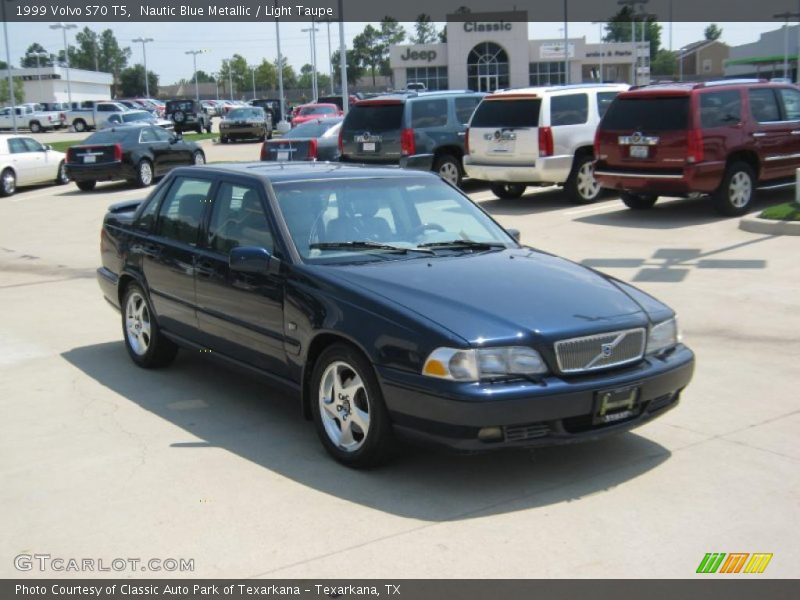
(490, 51)
(49, 84)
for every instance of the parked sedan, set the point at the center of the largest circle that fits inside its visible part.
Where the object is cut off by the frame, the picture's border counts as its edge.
(24, 161)
(389, 304)
(135, 118)
(313, 140)
(135, 154)
(309, 112)
(249, 122)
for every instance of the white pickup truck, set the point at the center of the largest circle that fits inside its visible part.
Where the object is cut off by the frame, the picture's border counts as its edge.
(90, 118)
(29, 118)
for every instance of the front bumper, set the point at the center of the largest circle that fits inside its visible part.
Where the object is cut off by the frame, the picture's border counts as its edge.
(104, 172)
(555, 411)
(552, 169)
(255, 131)
(702, 178)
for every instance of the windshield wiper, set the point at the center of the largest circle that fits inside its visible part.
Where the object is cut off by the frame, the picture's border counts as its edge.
(470, 244)
(364, 245)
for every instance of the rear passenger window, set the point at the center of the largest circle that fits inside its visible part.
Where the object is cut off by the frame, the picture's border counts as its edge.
(182, 210)
(569, 110)
(428, 113)
(238, 219)
(718, 109)
(604, 100)
(764, 105)
(464, 108)
(791, 103)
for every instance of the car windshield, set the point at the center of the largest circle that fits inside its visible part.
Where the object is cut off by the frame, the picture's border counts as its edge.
(136, 116)
(246, 113)
(345, 220)
(648, 113)
(317, 110)
(312, 129)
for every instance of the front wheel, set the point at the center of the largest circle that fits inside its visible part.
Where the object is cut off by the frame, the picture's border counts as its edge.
(61, 176)
(638, 201)
(508, 191)
(35, 127)
(199, 158)
(144, 341)
(581, 186)
(8, 183)
(735, 195)
(349, 413)
(86, 186)
(449, 169)
(144, 173)
(79, 125)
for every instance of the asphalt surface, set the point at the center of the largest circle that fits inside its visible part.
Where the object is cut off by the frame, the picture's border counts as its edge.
(99, 459)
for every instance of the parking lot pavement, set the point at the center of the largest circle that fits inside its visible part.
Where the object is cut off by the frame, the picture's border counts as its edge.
(100, 459)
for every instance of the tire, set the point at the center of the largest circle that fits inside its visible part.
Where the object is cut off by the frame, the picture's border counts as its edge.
(79, 125)
(735, 194)
(581, 186)
(208, 128)
(638, 201)
(223, 139)
(198, 129)
(86, 186)
(144, 173)
(198, 158)
(508, 191)
(449, 169)
(367, 439)
(34, 126)
(143, 340)
(61, 176)
(8, 183)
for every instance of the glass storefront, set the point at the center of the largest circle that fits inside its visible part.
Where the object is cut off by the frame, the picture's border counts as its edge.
(487, 68)
(434, 78)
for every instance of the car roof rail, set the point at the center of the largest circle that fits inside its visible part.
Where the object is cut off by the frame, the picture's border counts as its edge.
(740, 81)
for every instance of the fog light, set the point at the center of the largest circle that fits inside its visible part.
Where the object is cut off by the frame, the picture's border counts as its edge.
(490, 434)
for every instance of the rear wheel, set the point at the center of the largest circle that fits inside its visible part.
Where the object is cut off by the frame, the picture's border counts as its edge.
(8, 183)
(146, 346)
(61, 176)
(144, 173)
(86, 186)
(449, 169)
(198, 129)
(638, 201)
(349, 413)
(79, 125)
(35, 127)
(508, 191)
(581, 186)
(199, 158)
(735, 195)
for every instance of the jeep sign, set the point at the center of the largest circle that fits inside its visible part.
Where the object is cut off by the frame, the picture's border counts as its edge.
(426, 55)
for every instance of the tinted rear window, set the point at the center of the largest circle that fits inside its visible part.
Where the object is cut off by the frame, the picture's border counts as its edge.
(507, 113)
(647, 114)
(375, 117)
(312, 129)
(111, 137)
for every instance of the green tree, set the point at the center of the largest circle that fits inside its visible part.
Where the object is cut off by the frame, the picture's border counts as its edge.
(664, 64)
(19, 91)
(425, 30)
(236, 69)
(202, 77)
(289, 75)
(29, 62)
(369, 50)
(266, 75)
(391, 33)
(131, 82)
(618, 29)
(712, 32)
(354, 69)
(304, 81)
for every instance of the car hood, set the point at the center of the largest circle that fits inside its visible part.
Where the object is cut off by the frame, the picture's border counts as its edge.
(515, 295)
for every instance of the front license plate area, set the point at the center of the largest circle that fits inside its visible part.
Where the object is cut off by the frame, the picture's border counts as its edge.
(639, 151)
(611, 406)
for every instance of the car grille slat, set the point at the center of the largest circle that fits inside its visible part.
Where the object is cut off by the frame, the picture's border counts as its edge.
(601, 351)
(531, 431)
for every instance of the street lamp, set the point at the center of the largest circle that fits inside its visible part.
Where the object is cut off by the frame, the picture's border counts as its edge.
(602, 50)
(63, 27)
(253, 71)
(282, 125)
(312, 39)
(566, 45)
(343, 58)
(194, 54)
(144, 56)
(786, 16)
(39, 55)
(632, 4)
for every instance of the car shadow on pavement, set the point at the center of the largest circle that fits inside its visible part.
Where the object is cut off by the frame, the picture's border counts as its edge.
(534, 201)
(219, 407)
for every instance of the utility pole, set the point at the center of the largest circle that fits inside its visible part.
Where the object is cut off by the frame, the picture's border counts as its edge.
(11, 99)
(602, 50)
(566, 45)
(144, 57)
(253, 71)
(280, 70)
(194, 54)
(63, 27)
(632, 4)
(343, 59)
(312, 34)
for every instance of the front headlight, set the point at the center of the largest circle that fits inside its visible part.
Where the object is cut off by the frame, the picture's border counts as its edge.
(483, 363)
(663, 336)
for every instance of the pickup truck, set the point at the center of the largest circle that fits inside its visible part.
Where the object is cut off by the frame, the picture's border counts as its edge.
(89, 118)
(28, 118)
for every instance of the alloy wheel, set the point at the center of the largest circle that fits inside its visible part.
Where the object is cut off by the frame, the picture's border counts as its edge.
(740, 189)
(9, 183)
(145, 173)
(199, 159)
(344, 406)
(449, 172)
(137, 324)
(587, 185)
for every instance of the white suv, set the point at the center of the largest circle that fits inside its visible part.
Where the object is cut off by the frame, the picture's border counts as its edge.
(538, 136)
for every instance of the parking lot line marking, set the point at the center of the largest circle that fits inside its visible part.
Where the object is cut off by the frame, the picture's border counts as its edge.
(616, 205)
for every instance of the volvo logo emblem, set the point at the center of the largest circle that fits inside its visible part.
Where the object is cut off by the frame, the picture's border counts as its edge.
(607, 350)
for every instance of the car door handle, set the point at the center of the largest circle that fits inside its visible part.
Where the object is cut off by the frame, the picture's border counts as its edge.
(759, 134)
(150, 250)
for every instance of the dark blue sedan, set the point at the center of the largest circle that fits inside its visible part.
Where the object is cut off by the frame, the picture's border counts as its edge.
(390, 304)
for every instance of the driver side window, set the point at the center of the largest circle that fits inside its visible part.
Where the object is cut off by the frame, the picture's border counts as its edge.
(238, 219)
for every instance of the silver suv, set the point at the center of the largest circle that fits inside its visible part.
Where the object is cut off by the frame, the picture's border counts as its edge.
(538, 136)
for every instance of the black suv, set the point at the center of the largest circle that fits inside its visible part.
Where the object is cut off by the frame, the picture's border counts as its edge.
(187, 115)
(272, 106)
(414, 130)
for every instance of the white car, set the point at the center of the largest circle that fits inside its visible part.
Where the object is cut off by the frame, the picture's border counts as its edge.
(538, 136)
(24, 161)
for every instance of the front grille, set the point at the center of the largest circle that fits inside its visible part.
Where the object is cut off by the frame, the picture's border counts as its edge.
(601, 351)
(521, 433)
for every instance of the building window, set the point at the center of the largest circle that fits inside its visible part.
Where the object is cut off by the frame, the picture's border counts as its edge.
(434, 78)
(547, 73)
(487, 68)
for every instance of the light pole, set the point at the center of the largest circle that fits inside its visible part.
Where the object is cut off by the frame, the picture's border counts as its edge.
(602, 50)
(330, 54)
(11, 98)
(253, 70)
(282, 125)
(194, 54)
(632, 4)
(566, 45)
(311, 35)
(39, 55)
(216, 83)
(63, 27)
(343, 59)
(786, 16)
(144, 57)
(230, 79)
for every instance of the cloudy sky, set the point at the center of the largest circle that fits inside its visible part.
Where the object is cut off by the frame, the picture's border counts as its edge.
(256, 41)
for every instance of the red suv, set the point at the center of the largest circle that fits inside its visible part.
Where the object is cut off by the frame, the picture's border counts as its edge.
(721, 138)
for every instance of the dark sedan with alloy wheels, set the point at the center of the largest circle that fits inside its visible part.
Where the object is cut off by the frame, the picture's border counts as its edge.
(390, 304)
(134, 154)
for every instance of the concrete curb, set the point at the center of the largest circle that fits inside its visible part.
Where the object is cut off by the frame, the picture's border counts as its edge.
(754, 224)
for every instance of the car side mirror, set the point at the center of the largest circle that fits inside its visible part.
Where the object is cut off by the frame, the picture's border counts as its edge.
(514, 233)
(250, 259)
(47, 147)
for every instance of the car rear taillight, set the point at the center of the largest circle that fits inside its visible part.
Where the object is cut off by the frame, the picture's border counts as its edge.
(70, 155)
(407, 144)
(545, 141)
(63, 116)
(695, 146)
(312, 149)
(264, 153)
(466, 141)
(50, 118)
(117, 152)
(341, 142)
